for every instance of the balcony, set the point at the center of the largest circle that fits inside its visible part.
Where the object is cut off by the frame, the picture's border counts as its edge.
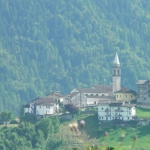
(107, 110)
(118, 110)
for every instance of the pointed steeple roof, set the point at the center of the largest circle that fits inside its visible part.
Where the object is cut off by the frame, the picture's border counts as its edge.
(116, 60)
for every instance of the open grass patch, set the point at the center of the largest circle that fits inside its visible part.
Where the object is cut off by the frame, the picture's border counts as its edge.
(143, 113)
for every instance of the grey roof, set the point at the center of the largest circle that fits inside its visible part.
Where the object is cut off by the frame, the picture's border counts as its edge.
(128, 105)
(106, 101)
(141, 81)
(116, 103)
(126, 91)
(103, 89)
(107, 87)
(71, 94)
(116, 60)
(57, 93)
(27, 106)
(44, 101)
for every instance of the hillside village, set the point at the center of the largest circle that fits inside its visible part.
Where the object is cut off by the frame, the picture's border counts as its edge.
(114, 101)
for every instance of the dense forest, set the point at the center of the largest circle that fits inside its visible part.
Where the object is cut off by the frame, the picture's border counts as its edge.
(58, 45)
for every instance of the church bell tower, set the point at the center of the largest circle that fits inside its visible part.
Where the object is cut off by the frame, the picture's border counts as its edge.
(116, 75)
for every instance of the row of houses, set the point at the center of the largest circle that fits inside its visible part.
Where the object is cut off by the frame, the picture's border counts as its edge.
(113, 101)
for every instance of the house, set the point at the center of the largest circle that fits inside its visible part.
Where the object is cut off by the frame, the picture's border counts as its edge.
(112, 110)
(126, 95)
(143, 88)
(76, 98)
(56, 95)
(42, 107)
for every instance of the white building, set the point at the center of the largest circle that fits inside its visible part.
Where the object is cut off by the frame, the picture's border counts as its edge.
(76, 98)
(42, 107)
(112, 110)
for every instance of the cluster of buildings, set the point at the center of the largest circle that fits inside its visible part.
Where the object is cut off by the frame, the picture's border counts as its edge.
(113, 101)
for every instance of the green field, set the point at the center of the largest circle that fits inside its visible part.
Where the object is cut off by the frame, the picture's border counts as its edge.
(92, 135)
(143, 113)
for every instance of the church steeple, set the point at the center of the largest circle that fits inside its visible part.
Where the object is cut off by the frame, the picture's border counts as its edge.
(116, 75)
(116, 61)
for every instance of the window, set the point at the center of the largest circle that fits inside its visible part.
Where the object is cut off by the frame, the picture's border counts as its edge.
(40, 106)
(118, 72)
(129, 113)
(99, 117)
(117, 95)
(91, 94)
(102, 117)
(102, 108)
(126, 95)
(120, 95)
(131, 96)
(110, 117)
(129, 108)
(96, 94)
(128, 118)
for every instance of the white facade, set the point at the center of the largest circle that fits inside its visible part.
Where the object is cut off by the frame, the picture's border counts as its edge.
(111, 111)
(91, 92)
(77, 99)
(42, 107)
(46, 109)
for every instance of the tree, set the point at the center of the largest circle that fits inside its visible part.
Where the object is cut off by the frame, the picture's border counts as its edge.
(56, 123)
(6, 116)
(46, 126)
(71, 108)
(21, 113)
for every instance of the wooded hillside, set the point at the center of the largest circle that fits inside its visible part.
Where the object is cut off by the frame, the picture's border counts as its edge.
(57, 45)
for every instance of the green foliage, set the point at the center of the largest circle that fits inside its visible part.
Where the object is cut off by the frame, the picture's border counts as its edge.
(56, 123)
(54, 143)
(22, 114)
(6, 116)
(29, 118)
(46, 126)
(47, 45)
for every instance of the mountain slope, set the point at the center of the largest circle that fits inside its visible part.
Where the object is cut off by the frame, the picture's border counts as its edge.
(57, 45)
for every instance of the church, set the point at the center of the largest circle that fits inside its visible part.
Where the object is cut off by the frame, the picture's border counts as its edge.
(83, 97)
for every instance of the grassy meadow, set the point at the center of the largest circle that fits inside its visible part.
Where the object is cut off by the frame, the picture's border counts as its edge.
(93, 135)
(143, 113)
